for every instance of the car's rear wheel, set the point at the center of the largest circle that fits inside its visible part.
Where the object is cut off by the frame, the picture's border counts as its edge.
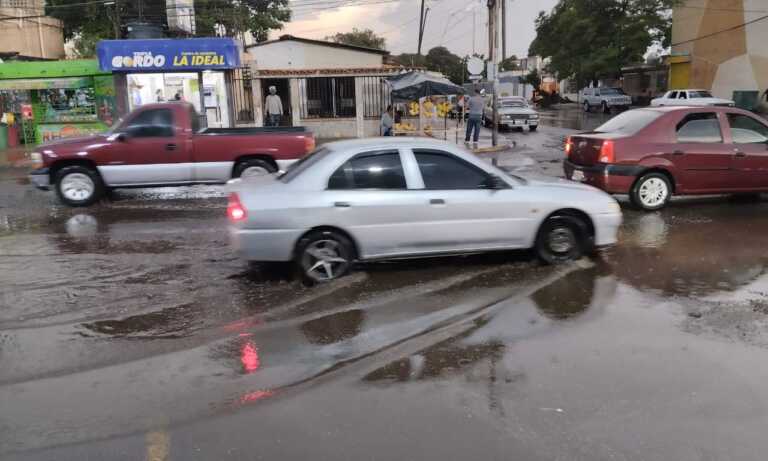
(651, 192)
(253, 167)
(560, 239)
(78, 185)
(323, 256)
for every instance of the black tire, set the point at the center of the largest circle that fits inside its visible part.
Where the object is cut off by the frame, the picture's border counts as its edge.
(86, 194)
(561, 239)
(587, 107)
(606, 108)
(641, 199)
(332, 250)
(532, 128)
(255, 163)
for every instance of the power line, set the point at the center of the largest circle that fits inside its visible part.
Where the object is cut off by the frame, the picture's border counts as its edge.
(730, 29)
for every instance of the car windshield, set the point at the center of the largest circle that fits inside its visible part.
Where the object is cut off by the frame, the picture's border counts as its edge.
(699, 94)
(302, 165)
(512, 103)
(614, 91)
(629, 122)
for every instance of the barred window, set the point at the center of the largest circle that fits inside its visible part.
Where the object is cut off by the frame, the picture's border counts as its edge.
(327, 97)
(375, 97)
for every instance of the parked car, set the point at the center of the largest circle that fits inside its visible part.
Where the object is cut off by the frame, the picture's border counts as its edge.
(161, 145)
(654, 153)
(690, 98)
(605, 98)
(385, 198)
(514, 112)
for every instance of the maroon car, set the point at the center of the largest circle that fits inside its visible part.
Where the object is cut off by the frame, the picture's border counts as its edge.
(162, 145)
(654, 153)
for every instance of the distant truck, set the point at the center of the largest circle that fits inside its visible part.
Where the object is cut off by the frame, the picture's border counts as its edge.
(162, 145)
(605, 99)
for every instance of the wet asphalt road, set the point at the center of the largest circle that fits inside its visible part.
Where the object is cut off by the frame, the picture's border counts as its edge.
(130, 331)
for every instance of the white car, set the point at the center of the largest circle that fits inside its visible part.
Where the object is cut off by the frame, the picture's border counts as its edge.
(605, 98)
(690, 98)
(514, 112)
(385, 198)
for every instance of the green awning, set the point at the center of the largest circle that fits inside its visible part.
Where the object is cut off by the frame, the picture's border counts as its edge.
(45, 83)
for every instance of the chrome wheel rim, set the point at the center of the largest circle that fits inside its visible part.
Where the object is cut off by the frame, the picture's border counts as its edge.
(77, 187)
(561, 240)
(653, 192)
(252, 171)
(323, 260)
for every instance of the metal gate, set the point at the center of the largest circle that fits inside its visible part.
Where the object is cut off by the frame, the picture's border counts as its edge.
(241, 91)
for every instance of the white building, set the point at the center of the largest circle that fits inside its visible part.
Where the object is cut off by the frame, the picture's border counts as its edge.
(333, 89)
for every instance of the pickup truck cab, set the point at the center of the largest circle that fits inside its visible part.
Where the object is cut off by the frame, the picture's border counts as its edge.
(605, 98)
(162, 145)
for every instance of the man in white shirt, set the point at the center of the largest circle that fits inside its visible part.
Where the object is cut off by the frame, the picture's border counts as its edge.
(273, 106)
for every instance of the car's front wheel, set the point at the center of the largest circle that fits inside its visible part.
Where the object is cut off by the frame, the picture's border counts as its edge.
(586, 106)
(651, 192)
(532, 128)
(560, 239)
(325, 255)
(606, 108)
(78, 185)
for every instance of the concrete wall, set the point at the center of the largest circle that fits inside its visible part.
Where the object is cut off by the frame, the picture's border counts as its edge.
(35, 37)
(298, 55)
(736, 59)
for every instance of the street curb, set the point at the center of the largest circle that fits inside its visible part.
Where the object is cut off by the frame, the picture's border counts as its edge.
(492, 150)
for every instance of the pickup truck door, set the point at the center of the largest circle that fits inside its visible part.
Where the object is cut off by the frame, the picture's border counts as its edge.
(152, 151)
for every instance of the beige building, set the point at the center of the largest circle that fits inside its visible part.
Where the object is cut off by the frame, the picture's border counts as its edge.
(25, 31)
(720, 45)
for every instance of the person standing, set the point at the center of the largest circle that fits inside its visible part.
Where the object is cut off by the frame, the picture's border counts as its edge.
(274, 107)
(386, 122)
(475, 106)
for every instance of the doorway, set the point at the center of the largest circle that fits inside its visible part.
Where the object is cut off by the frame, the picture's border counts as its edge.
(284, 91)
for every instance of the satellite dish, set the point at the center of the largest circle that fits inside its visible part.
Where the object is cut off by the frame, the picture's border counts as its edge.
(475, 65)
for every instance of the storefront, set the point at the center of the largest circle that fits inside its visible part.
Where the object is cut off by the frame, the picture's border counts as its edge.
(57, 99)
(174, 69)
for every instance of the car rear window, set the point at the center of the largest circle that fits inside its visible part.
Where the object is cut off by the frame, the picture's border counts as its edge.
(303, 164)
(629, 122)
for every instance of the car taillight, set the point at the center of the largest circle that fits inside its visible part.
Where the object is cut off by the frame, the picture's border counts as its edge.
(568, 146)
(235, 210)
(606, 152)
(309, 144)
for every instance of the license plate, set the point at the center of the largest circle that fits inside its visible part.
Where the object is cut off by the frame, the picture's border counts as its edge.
(518, 122)
(578, 175)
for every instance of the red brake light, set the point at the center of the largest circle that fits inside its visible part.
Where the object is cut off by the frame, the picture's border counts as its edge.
(568, 146)
(235, 210)
(606, 152)
(309, 144)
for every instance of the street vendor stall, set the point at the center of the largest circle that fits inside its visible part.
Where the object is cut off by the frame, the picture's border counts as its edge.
(425, 98)
(58, 99)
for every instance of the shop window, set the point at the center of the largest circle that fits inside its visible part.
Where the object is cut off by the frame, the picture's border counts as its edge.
(327, 97)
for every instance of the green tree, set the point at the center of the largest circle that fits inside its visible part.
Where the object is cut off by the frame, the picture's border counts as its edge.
(411, 60)
(366, 38)
(509, 64)
(532, 78)
(588, 39)
(88, 22)
(440, 59)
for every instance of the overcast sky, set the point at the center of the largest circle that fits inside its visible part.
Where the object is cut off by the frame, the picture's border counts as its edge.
(449, 23)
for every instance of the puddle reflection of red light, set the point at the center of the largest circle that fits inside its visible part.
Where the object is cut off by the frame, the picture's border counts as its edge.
(254, 396)
(249, 356)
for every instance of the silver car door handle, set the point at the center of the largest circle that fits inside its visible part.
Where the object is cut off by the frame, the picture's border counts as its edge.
(342, 204)
(437, 201)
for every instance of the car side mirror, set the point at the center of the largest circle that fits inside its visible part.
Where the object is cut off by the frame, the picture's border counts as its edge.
(122, 137)
(495, 183)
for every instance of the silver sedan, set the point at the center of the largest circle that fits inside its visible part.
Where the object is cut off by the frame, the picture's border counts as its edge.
(386, 198)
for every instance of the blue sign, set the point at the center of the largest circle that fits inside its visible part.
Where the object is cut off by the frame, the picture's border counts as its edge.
(168, 55)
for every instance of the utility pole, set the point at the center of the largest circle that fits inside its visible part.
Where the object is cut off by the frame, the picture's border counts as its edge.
(493, 39)
(421, 26)
(503, 29)
(117, 19)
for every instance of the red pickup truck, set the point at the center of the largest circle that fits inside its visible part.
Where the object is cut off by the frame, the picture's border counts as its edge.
(162, 145)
